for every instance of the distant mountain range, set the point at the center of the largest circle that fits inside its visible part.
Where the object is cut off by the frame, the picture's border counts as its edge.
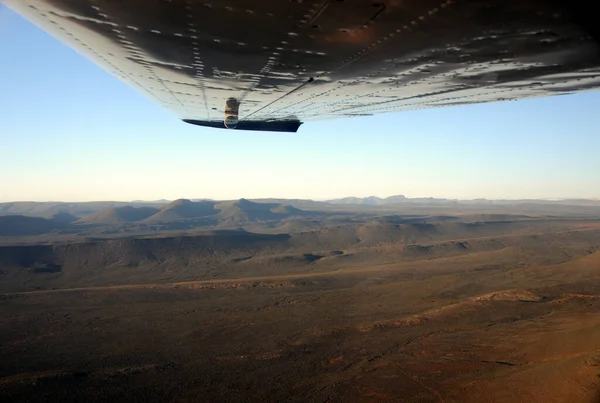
(278, 215)
(228, 214)
(378, 201)
(164, 210)
(235, 212)
(49, 209)
(401, 199)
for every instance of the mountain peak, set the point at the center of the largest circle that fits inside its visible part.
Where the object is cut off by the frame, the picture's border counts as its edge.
(179, 202)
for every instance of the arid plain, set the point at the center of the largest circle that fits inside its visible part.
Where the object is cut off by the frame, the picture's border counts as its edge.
(409, 303)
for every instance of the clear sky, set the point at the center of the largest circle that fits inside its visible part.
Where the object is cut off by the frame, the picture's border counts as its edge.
(69, 131)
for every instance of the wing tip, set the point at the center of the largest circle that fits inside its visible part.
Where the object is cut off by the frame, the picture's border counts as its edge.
(287, 126)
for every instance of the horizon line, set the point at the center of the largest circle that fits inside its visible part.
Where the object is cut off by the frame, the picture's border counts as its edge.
(321, 200)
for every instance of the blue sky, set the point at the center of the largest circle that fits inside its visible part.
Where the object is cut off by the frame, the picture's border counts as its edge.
(69, 131)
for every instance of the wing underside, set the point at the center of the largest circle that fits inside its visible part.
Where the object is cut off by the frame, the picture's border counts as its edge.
(292, 61)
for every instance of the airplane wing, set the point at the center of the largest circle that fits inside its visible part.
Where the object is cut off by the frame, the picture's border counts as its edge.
(284, 62)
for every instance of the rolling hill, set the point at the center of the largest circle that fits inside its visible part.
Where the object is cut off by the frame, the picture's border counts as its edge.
(20, 225)
(182, 209)
(245, 211)
(119, 215)
(63, 218)
(77, 209)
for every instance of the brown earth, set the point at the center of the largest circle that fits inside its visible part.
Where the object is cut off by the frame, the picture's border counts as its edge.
(447, 312)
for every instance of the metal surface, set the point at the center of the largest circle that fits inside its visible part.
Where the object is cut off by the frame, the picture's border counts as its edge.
(291, 61)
